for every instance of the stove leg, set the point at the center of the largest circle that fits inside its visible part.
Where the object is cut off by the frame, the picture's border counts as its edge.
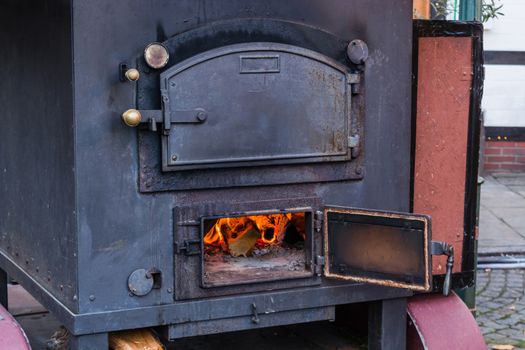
(97, 341)
(3, 288)
(387, 324)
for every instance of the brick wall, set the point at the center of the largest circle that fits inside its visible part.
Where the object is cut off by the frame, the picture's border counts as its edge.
(504, 156)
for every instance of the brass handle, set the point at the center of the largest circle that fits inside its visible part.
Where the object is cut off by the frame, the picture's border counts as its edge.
(131, 117)
(132, 74)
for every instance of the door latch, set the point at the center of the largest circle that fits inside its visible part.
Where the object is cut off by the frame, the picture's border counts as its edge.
(189, 247)
(444, 248)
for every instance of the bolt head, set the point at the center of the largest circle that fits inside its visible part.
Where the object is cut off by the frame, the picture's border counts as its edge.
(201, 116)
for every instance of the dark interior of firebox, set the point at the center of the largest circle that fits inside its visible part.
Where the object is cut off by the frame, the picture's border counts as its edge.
(255, 248)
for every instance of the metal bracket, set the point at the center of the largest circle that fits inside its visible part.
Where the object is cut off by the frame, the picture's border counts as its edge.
(354, 80)
(188, 247)
(353, 144)
(255, 315)
(444, 248)
(122, 68)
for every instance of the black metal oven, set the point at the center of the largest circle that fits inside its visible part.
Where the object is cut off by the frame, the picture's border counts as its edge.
(257, 129)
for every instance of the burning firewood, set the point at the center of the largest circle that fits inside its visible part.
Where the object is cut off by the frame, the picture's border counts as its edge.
(239, 236)
(244, 245)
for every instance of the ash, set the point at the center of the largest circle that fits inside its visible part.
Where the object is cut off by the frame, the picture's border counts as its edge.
(271, 256)
(265, 262)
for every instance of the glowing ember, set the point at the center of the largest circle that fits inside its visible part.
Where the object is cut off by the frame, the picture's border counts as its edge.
(240, 235)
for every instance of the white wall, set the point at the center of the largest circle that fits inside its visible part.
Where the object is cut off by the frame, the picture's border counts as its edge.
(504, 95)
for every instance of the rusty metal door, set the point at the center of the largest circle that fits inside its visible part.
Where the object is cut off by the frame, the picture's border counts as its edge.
(384, 248)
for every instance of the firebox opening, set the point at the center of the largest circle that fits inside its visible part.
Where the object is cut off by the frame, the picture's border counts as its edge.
(256, 248)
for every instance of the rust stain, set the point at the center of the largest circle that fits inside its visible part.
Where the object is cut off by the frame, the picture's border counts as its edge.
(443, 100)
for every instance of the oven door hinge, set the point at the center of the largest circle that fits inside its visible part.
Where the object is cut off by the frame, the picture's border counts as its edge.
(166, 127)
(188, 247)
(444, 248)
(353, 144)
(318, 221)
(354, 80)
(320, 262)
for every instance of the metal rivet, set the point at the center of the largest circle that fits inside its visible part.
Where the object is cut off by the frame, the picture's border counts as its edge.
(92, 297)
(170, 290)
(174, 157)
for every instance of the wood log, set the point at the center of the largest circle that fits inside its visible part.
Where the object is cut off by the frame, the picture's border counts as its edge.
(244, 245)
(137, 339)
(421, 9)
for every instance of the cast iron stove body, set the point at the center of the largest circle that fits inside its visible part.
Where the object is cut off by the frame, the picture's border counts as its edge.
(259, 111)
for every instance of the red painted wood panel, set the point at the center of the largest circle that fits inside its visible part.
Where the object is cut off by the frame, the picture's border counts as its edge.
(443, 100)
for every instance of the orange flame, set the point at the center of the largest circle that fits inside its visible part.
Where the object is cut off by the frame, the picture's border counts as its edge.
(271, 227)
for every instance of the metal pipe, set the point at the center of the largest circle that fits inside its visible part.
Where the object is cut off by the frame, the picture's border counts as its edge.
(501, 262)
(467, 9)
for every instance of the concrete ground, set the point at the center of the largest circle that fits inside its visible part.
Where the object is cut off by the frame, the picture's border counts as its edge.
(500, 293)
(502, 215)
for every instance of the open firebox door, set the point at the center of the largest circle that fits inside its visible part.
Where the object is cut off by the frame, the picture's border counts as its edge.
(383, 248)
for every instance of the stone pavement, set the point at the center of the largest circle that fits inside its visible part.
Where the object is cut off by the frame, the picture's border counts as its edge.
(500, 299)
(502, 215)
(500, 293)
